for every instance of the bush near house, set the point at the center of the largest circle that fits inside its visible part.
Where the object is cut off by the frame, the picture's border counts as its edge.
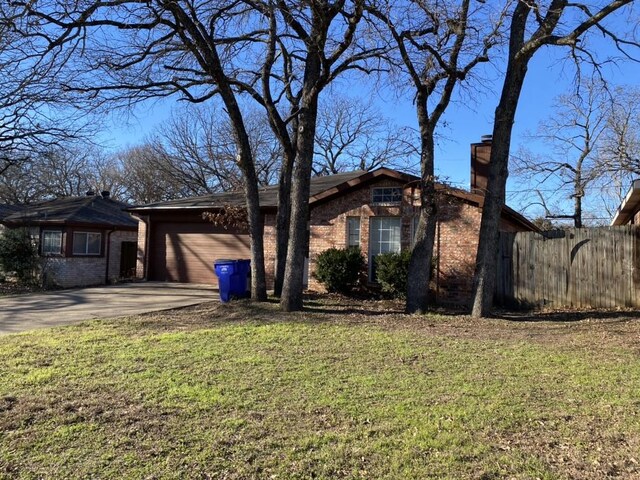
(339, 269)
(19, 255)
(392, 271)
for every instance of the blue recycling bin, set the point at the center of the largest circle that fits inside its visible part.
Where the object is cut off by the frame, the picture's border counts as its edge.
(243, 267)
(232, 278)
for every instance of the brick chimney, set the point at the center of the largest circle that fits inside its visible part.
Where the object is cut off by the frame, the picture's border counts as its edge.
(480, 154)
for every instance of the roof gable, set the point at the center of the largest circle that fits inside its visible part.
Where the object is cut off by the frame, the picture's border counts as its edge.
(322, 189)
(89, 210)
(6, 210)
(268, 195)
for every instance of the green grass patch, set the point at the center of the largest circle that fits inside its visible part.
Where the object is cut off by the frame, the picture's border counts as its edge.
(246, 392)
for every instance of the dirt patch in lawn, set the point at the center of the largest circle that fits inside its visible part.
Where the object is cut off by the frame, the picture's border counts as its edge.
(595, 329)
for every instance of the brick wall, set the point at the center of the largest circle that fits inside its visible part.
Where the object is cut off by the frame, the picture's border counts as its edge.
(143, 247)
(456, 244)
(74, 271)
(86, 271)
(456, 241)
(115, 241)
(328, 226)
(270, 248)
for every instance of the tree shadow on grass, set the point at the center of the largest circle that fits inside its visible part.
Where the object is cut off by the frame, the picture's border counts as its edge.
(349, 310)
(567, 316)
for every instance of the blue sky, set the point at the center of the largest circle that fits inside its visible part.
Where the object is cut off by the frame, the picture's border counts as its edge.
(467, 119)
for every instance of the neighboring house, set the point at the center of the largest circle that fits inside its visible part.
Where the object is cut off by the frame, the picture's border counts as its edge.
(375, 210)
(629, 210)
(86, 240)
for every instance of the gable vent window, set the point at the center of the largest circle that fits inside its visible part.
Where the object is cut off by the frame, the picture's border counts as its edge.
(386, 196)
(86, 243)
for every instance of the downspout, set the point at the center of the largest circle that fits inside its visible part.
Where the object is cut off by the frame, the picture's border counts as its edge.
(107, 256)
(147, 249)
(438, 262)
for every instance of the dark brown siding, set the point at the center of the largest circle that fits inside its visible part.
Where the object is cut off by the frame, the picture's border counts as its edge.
(185, 252)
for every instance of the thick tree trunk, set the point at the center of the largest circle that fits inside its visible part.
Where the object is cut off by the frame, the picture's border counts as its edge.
(210, 62)
(256, 233)
(252, 198)
(256, 224)
(422, 254)
(283, 221)
(577, 201)
(291, 299)
(577, 214)
(487, 256)
(421, 258)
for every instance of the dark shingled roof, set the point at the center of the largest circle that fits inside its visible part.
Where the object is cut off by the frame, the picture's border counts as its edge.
(6, 210)
(86, 211)
(268, 195)
(322, 189)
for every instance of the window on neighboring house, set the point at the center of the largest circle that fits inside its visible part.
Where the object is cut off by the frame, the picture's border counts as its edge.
(51, 242)
(353, 231)
(386, 195)
(86, 243)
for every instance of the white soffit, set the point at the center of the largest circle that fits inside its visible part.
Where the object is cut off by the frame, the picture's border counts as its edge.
(629, 205)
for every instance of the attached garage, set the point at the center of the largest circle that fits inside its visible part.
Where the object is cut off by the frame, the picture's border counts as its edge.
(185, 251)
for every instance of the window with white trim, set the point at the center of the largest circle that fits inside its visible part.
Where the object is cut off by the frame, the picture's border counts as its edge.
(51, 242)
(86, 243)
(386, 195)
(353, 231)
(384, 237)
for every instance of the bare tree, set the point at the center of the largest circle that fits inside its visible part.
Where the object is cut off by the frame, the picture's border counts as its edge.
(573, 138)
(355, 135)
(143, 175)
(35, 113)
(620, 151)
(322, 43)
(66, 170)
(438, 46)
(203, 50)
(196, 147)
(532, 26)
(143, 50)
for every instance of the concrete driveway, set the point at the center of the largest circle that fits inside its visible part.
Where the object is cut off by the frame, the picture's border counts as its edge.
(40, 310)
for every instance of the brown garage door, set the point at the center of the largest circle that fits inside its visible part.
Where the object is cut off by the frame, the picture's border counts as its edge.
(184, 252)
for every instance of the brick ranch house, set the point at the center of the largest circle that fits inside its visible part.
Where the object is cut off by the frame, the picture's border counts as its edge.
(374, 210)
(83, 241)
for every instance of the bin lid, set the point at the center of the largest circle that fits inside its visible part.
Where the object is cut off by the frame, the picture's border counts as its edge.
(223, 261)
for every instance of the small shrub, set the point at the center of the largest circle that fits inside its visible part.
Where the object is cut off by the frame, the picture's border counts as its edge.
(392, 271)
(19, 255)
(339, 269)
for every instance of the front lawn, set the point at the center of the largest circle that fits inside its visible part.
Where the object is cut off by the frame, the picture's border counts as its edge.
(243, 391)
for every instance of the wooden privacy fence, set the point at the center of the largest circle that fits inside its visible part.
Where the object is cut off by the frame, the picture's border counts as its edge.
(577, 267)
